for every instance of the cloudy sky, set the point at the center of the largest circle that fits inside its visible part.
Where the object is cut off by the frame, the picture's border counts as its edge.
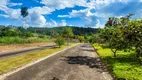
(51, 13)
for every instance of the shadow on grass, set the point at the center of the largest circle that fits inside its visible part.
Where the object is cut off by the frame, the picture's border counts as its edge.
(88, 61)
(128, 60)
(122, 61)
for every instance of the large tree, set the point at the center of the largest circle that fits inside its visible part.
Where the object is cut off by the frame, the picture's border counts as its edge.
(133, 35)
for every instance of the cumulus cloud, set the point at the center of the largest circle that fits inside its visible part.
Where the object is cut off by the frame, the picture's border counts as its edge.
(61, 4)
(103, 9)
(3, 5)
(96, 12)
(36, 18)
(85, 14)
(9, 12)
(14, 4)
(41, 10)
(63, 23)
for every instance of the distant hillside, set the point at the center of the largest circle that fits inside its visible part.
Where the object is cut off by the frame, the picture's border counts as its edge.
(57, 30)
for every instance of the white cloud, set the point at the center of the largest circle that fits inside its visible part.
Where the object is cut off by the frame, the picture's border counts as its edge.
(63, 23)
(3, 5)
(9, 12)
(14, 4)
(41, 10)
(13, 13)
(61, 4)
(85, 14)
(100, 10)
(4, 15)
(36, 19)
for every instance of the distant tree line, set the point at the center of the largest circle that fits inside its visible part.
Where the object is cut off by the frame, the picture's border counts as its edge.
(57, 31)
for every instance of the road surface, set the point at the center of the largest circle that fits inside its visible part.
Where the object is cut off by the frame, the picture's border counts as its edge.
(77, 63)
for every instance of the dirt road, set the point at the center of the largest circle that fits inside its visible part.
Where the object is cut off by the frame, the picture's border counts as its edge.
(78, 63)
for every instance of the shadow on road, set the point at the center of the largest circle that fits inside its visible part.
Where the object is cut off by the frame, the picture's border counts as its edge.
(88, 50)
(88, 61)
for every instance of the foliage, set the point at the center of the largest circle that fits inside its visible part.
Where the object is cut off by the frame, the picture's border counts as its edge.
(67, 32)
(60, 41)
(19, 40)
(96, 39)
(56, 31)
(133, 35)
(24, 12)
(42, 36)
(81, 38)
(122, 33)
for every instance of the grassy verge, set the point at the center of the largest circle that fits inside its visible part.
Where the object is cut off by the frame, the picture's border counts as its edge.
(17, 61)
(124, 67)
(20, 40)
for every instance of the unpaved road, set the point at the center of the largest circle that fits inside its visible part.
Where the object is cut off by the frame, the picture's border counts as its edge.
(78, 63)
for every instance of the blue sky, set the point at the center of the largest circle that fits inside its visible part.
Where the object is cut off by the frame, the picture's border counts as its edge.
(52, 13)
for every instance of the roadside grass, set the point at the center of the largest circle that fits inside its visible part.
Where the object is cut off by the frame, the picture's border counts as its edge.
(124, 67)
(21, 40)
(18, 61)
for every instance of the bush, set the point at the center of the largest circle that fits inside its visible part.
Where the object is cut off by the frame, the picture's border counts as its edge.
(81, 38)
(42, 36)
(11, 40)
(60, 41)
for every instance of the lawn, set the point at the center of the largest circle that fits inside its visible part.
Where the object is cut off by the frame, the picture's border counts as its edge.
(124, 67)
(17, 61)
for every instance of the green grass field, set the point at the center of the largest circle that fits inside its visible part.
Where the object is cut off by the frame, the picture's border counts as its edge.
(124, 67)
(17, 61)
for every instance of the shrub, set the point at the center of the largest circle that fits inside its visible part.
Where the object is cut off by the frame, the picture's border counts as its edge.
(60, 41)
(81, 38)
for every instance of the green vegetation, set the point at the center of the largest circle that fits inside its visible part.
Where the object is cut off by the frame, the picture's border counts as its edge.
(67, 33)
(19, 40)
(122, 33)
(81, 38)
(120, 46)
(17, 61)
(60, 41)
(124, 67)
(14, 35)
(57, 31)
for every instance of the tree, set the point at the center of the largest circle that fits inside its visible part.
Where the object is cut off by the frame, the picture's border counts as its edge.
(60, 41)
(24, 14)
(67, 33)
(81, 38)
(113, 36)
(133, 35)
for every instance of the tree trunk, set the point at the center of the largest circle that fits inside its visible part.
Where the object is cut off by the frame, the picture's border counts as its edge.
(114, 52)
(68, 40)
(139, 51)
